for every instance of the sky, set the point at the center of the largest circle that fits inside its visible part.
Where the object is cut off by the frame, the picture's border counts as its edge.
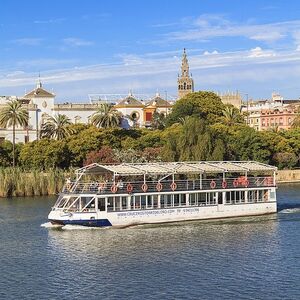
(113, 47)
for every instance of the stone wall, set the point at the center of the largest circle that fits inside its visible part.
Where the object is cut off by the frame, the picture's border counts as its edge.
(288, 176)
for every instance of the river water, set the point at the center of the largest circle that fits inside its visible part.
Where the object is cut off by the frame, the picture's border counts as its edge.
(245, 258)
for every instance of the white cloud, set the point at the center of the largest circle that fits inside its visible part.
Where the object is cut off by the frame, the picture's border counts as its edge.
(259, 52)
(50, 21)
(142, 73)
(214, 26)
(28, 41)
(210, 53)
(76, 42)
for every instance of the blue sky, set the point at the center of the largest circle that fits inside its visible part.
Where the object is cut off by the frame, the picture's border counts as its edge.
(111, 47)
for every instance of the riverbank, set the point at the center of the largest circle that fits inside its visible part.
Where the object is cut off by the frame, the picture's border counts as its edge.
(288, 176)
(20, 183)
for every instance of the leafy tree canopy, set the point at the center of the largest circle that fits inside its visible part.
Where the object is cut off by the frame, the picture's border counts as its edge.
(203, 104)
(45, 154)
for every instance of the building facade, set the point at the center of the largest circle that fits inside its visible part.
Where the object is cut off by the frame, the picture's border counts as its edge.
(276, 113)
(40, 105)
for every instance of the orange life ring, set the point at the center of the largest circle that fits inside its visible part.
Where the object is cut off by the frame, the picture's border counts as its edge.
(102, 186)
(246, 183)
(145, 187)
(114, 188)
(213, 184)
(224, 184)
(173, 186)
(235, 182)
(129, 187)
(159, 187)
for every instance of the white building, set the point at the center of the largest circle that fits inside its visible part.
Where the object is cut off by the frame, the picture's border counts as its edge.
(41, 105)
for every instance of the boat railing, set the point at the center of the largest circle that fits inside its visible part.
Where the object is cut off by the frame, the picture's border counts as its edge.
(121, 187)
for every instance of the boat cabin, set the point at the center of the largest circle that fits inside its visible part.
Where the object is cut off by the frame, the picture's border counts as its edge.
(164, 185)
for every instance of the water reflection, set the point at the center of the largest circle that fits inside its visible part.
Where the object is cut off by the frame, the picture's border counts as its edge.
(162, 239)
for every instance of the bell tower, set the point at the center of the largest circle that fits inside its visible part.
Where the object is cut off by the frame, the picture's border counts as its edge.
(185, 82)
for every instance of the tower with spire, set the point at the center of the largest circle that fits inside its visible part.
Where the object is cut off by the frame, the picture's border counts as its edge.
(185, 82)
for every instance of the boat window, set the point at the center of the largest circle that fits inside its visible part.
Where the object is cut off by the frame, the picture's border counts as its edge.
(155, 201)
(176, 200)
(62, 202)
(228, 198)
(260, 196)
(166, 200)
(149, 201)
(73, 204)
(220, 198)
(137, 202)
(250, 196)
(110, 203)
(143, 201)
(202, 198)
(117, 203)
(193, 199)
(87, 204)
(124, 202)
(101, 204)
(211, 198)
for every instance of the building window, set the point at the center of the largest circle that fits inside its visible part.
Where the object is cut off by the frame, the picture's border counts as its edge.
(135, 115)
(148, 116)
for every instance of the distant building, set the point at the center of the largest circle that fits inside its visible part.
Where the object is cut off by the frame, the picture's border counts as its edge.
(185, 82)
(40, 105)
(269, 114)
(233, 98)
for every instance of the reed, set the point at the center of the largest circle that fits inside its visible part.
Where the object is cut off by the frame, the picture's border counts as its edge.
(18, 182)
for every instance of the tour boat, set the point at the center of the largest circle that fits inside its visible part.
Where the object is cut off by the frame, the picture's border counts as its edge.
(128, 194)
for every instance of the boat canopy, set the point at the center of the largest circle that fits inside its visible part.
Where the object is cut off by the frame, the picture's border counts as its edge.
(165, 168)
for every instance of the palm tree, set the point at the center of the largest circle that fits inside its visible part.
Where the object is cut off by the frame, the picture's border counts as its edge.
(231, 115)
(57, 127)
(106, 117)
(158, 120)
(13, 114)
(296, 121)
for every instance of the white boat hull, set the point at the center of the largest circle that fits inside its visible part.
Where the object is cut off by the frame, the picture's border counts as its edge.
(163, 215)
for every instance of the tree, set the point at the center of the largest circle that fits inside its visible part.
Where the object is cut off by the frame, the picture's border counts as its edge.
(13, 115)
(104, 155)
(285, 160)
(158, 120)
(106, 117)
(296, 121)
(57, 127)
(231, 115)
(205, 105)
(45, 154)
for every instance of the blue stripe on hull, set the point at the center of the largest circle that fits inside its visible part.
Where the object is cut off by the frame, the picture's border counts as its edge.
(89, 223)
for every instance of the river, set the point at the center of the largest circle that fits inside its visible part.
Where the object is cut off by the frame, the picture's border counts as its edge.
(244, 258)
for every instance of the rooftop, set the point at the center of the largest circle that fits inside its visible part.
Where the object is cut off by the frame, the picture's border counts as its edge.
(165, 168)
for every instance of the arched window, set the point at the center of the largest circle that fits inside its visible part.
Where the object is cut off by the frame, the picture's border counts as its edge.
(77, 119)
(184, 86)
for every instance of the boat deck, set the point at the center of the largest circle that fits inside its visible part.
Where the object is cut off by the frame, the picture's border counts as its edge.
(121, 187)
